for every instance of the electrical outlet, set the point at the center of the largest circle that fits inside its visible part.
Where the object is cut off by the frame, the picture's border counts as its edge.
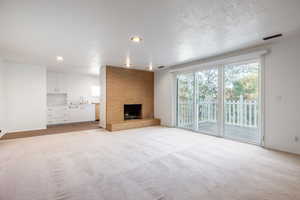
(296, 139)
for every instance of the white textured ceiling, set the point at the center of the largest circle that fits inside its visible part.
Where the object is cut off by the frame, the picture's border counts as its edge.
(90, 33)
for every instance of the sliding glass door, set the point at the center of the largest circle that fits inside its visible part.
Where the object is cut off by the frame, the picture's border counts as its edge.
(222, 101)
(241, 102)
(185, 101)
(206, 84)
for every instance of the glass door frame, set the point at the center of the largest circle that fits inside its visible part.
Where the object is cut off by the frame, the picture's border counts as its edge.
(260, 100)
(177, 101)
(221, 98)
(219, 95)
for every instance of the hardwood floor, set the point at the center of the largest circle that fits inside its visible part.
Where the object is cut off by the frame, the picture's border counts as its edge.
(54, 129)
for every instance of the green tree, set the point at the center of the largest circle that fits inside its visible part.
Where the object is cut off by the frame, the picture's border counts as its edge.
(246, 87)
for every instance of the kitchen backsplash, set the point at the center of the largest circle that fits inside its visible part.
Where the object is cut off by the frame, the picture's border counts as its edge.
(57, 99)
(62, 99)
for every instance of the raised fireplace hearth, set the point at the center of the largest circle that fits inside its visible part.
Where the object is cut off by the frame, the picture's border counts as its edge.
(132, 111)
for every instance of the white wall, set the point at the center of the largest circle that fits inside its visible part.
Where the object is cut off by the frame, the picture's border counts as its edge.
(282, 111)
(163, 90)
(282, 96)
(78, 85)
(25, 97)
(2, 100)
(102, 107)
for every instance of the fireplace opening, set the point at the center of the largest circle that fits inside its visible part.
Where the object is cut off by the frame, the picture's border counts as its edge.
(132, 111)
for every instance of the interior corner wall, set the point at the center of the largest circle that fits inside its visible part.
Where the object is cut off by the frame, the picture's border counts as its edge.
(2, 101)
(25, 91)
(282, 96)
(102, 77)
(163, 96)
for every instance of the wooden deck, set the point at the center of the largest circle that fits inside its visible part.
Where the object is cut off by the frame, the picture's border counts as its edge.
(246, 134)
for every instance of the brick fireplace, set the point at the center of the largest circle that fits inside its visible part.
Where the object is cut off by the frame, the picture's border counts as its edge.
(129, 95)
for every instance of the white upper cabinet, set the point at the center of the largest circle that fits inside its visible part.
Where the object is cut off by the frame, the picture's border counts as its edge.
(61, 83)
(56, 83)
(51, 82)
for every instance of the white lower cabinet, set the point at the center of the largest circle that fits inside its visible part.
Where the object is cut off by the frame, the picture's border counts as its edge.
(71, 114)
(82, 113)
(58, 115)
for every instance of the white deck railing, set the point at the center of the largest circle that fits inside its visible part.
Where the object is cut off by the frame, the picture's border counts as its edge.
(242, 113)
(185, 114)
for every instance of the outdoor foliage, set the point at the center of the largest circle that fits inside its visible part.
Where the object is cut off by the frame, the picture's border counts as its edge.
(240, 80)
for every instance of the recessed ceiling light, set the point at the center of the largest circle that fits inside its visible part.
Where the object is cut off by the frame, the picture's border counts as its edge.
(136, 39)
(59, 59)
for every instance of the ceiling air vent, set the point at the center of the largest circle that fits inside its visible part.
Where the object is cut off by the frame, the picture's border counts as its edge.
(161, 67)
(273, 36)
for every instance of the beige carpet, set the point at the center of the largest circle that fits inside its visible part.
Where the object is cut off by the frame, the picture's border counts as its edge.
(144, 164)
